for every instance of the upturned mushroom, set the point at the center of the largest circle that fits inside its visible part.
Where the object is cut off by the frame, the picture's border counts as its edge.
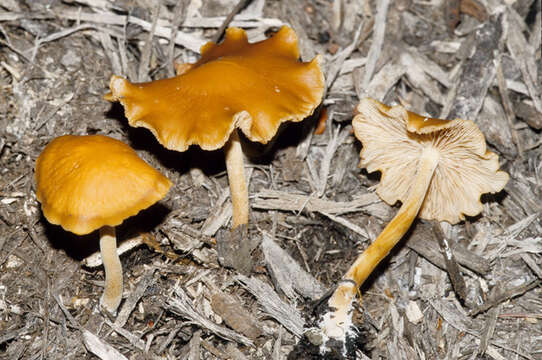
(94, 182)
(253, 87)
(437, 168)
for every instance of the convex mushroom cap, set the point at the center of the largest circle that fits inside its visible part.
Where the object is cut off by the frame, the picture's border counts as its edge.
(393, 141)
(86, 182)
(235, 84)
(94, 182)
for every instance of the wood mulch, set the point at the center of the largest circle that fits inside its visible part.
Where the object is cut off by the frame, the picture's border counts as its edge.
(188, 295)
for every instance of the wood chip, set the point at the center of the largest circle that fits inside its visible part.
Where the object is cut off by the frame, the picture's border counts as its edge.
(134, 297)
(384, 80)
(452, 268)
(235, 315)
(413, 312)
(284, 313)
(235, 249)
(505, 295)
(489, 329)
(379, 30)
(281, 200)
(100, 348)
(423, 242)
(288, 275)
(477, 72)
(179, 303)
(524, 57)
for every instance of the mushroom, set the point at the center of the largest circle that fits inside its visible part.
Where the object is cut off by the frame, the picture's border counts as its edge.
(94, 182)
(253, 87)
(437, 168)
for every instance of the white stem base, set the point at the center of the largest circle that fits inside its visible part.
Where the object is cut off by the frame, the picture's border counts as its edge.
(337, 322)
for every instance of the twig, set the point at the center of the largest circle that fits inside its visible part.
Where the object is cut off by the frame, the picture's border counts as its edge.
(378, 40)
(143, 70)
(506, 295)
(335, 67)
(179, 15)
(488, 331)
(240, 6)
(451, 265)
(133, 298)
(422, 242)
(507, 105)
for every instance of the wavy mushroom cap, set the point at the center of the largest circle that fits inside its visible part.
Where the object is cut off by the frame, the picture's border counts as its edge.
(86, 182)
(393, 139)
(235, 84)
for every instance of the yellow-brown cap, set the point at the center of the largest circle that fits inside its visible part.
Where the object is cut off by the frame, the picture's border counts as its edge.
(393, 139)
(86, 182)
(235, 84)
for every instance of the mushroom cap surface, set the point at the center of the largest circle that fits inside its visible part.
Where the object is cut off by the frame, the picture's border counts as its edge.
(393, 139)
(235, 84)
(86, 182)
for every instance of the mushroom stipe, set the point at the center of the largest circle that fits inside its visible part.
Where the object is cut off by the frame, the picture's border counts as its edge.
(235, 86)
(437, 168)
(85, 183)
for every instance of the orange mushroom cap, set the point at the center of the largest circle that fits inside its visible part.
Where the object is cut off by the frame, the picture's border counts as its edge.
(235, 84)
(393, 140)
(86, 182)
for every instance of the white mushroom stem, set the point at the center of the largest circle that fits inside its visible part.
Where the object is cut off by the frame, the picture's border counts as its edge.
(337, 321)
(236, 177)
(112, 295)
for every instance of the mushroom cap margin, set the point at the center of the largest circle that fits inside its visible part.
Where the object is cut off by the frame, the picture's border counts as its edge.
(86, 182)
(466, 168)
(251, 86)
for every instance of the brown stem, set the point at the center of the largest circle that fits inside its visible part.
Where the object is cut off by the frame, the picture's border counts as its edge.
(236, 177)
(113, 270)
(342, 298)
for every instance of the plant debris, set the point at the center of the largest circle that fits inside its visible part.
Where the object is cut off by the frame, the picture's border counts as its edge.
(312, 209)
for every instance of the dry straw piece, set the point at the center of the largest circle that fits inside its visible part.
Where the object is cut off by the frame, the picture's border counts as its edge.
(85, 183)
(253, 87)
(437, 168)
